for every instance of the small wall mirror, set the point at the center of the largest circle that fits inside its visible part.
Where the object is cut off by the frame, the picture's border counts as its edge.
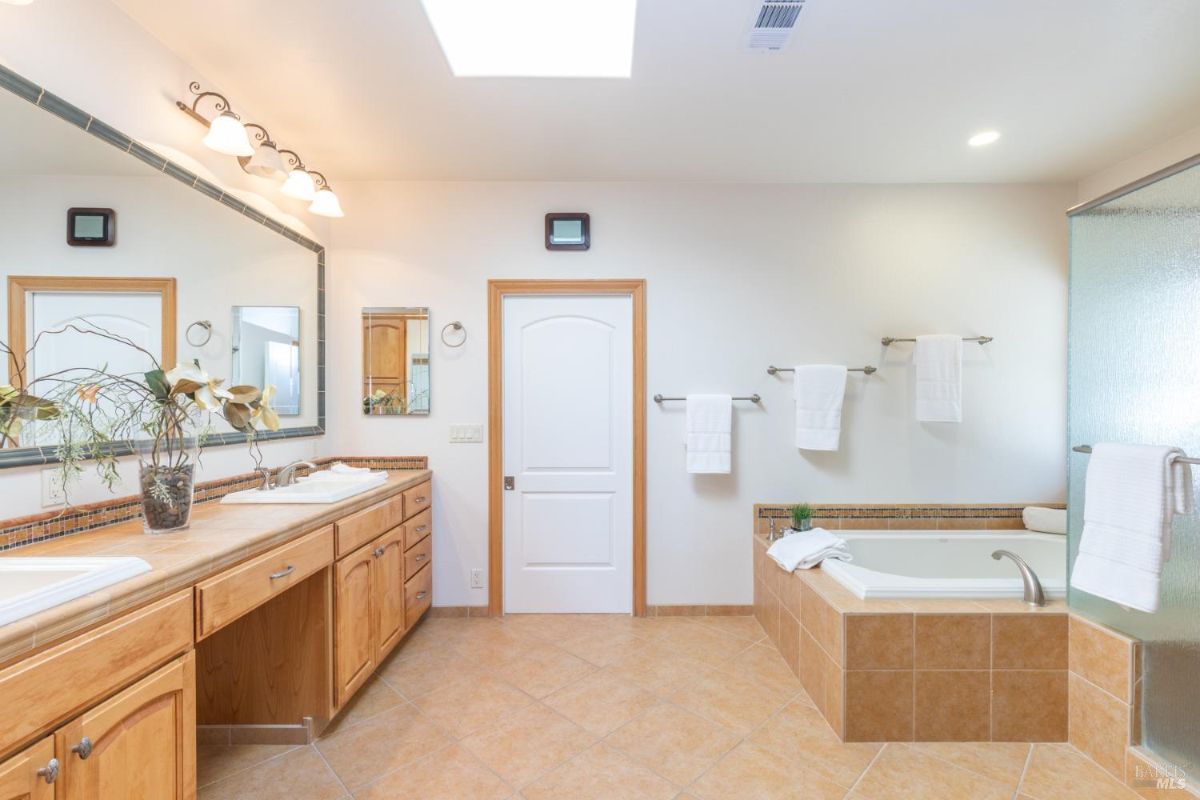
(395, 361)
(266, 352)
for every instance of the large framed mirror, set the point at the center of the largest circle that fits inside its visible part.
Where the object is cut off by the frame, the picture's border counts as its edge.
(395, 362)
(191, 272)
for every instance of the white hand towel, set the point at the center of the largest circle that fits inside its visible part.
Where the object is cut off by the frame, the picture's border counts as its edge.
(709, 429)
(344, 472)
(346, 469)
(939, 378)
(807, 549)
(1045, 520)
(819, 390)
(1131, 495)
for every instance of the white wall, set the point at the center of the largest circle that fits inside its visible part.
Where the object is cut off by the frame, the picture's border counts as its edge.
(739, 277)
(1139, 165)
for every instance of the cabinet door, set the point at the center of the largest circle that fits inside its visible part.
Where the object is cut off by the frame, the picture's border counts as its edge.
(388, 551)
(140, 745)
(353, 608)
(30, 775)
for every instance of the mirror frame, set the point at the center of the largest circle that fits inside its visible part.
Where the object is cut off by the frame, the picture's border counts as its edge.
(53, 104)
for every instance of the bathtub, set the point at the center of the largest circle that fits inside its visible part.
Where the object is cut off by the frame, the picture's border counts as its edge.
(890, 564)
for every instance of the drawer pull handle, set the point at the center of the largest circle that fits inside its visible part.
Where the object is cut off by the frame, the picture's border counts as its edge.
(420, 499)
(421, 595)
(49, 773)
(378, 551)
(283, 573)
(421, 557)
(83, 749)
(419, 528)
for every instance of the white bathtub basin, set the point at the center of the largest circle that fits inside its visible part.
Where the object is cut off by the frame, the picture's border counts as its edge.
(30, 585)
(889, 564)
(319, 491)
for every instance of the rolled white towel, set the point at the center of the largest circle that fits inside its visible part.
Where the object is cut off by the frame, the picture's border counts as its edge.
(807, 549)
(347, 473)
(1045, 520)
(345, 469)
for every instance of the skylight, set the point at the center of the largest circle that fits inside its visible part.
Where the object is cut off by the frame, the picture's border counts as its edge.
(535, 38)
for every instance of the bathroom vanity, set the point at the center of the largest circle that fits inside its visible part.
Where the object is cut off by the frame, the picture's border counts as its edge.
(258, 623)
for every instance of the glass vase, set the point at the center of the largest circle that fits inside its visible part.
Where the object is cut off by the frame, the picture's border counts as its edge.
(167, 482)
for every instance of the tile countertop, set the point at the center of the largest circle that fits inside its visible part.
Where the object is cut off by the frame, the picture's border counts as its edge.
(845, 601)
(219, 537)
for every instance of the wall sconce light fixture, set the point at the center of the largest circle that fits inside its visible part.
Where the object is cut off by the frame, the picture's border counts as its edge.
(325, 202)
(226, 134)
(266, 161)
(299, 183)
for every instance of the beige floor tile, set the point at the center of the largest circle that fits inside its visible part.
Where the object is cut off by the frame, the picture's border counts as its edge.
(799, 733)
(657, 628)
(763, 664)
(528, 744)
(746, 628)
(1060, 772)
(494, 645)
(361, 753)
(602, 647)
(652, 667)
(704, 644)
(423, 672)
(601, 702)
(430, 634)
(543, 669)
(733, 701)
(901, 771)
(299, 775)
(748, 773)
(375, 697)
(1001, 761)
(470, 704)
(214, 762)
(600, 773)
(674, 742)
(449, 774)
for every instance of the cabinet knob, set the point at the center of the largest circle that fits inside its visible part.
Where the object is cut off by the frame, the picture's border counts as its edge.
(419, 528)
(420, 499)
(421, 595)
(421, 557)
(378, 551)
(49, 773)
(83, 749)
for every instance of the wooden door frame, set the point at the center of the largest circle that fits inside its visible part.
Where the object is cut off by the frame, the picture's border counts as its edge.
(635, 289)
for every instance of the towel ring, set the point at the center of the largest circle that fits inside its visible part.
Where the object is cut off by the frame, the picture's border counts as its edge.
(206, 326)
(457, 326)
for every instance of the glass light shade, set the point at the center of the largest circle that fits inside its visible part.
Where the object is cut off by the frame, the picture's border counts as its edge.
(326, 204)
(227, 135)
(266, 162)
(299, 184)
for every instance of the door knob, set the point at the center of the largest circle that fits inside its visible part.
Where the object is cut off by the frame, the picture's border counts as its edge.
(509, 483)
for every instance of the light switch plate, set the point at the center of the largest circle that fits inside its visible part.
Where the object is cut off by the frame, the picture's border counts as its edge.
(463, 433)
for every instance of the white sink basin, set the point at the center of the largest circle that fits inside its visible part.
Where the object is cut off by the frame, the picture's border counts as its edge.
(30, 585)
(329, 490)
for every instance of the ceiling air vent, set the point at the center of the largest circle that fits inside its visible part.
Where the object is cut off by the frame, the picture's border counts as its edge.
(773, 24)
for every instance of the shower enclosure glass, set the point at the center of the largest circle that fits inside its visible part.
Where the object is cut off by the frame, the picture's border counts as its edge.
(1134, 365)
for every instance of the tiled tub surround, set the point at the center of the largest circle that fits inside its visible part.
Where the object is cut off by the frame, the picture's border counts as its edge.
(77, 519)
(900, 517)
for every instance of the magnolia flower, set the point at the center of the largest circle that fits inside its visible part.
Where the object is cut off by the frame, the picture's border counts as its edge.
(263, 413)
(88, 393)
(190, 380)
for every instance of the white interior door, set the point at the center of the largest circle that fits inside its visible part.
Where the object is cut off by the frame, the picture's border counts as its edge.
(568, 448)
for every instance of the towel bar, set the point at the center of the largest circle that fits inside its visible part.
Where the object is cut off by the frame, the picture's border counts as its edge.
(868, 370)
(658, 398)
(1087, 448)
(981, 339)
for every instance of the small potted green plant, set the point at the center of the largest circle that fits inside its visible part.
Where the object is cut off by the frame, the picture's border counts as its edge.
(802, 515)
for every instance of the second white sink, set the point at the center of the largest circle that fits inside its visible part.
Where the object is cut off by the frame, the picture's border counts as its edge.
(30, 585)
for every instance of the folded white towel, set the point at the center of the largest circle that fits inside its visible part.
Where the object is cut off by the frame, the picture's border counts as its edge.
(344, 472)
(345, 469)
(807, 549)
(819, 390)
(939, 378)
(1045, 520)
(709, 429)
(1131, 494)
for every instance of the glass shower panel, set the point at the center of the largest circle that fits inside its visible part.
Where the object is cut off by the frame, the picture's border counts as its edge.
(1134, 366)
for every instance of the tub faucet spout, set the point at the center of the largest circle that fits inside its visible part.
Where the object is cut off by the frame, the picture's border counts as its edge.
(1034, 595)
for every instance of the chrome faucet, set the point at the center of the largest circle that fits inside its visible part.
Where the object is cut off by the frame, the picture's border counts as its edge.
(287, 475)
(265, 476)
(772, 535)
(1034, 595)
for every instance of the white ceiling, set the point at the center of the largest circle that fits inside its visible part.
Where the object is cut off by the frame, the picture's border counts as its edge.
(869, 91)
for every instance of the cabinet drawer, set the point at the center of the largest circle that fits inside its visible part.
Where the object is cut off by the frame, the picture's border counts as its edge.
(418, 556)
(221, 600)
(359, 528)
(418, 528)
(47, 688)
(417, 499)
(418, 595)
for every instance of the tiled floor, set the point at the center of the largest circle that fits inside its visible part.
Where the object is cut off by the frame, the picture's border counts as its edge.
(617, 708)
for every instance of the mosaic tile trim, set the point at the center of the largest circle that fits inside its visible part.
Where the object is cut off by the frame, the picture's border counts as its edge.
(935, 516)
(22, 531)
(28, 90)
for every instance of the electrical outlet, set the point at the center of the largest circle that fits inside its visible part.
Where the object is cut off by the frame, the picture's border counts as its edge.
(476, 579)
(466, 433)
(52, 489)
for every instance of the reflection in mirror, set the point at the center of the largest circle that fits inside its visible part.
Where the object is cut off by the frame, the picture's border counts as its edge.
(395, 361)
(266, 352)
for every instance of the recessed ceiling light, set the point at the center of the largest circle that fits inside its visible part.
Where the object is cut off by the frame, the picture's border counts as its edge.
(983, 138)
(535, 38)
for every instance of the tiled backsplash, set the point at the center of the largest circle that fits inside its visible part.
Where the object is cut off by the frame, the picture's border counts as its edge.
(900, 517)
(76, 519)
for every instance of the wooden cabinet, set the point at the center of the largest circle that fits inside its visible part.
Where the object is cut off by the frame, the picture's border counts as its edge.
(353, 611)
(139, 744)
(357, 529)
(417, 499)
(418, 594)
(388, 588)
(30, 775)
